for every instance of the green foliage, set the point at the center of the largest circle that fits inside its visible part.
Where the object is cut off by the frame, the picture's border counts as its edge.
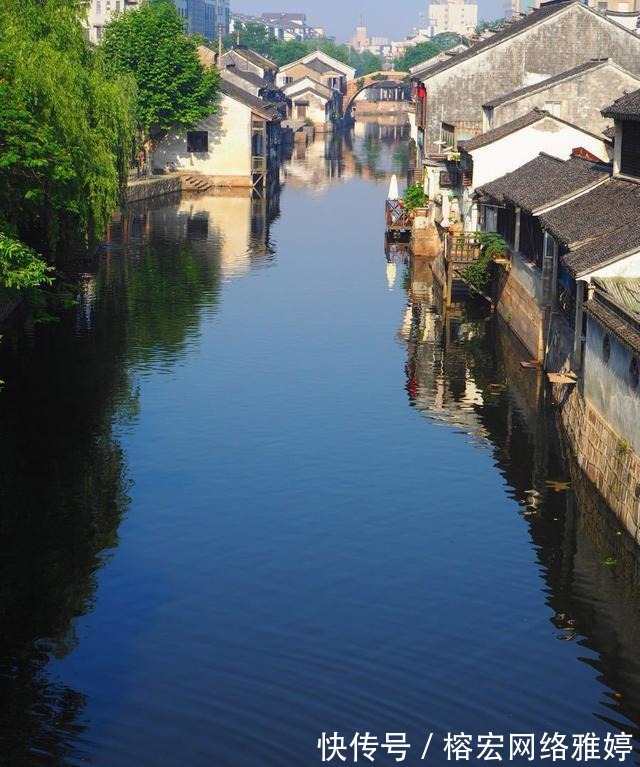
(447, 40)
(281, 52)
(66, 133)
(489, 24)
(414, 197)
(425, 51)
(149, 44)
(20, 267)
(623, 447)
(477, 274)
(416, 55)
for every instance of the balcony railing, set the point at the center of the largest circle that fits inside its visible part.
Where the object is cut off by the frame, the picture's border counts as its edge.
(396, 216)
(462, 248)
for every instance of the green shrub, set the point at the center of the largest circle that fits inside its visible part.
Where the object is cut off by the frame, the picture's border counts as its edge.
(477, 274)
(414, 197)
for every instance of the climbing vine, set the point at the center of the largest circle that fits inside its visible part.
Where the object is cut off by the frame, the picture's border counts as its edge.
(478, 273)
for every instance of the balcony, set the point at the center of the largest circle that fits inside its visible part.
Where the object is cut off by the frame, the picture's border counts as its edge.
(397, 218)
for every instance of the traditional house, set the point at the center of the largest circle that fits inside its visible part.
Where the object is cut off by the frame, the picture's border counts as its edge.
(611, 376)
(502, 150)
(574, 226)
(577, 95)
(533, 287)
(236, 146)
(310, 101)
(244, 58)
(320, 67)
(554, 38)
(256, 86)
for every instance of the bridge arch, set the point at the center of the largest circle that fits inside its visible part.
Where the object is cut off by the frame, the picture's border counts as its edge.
(360, 84)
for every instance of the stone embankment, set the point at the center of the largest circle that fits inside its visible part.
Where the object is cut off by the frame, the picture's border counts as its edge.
(156, 186)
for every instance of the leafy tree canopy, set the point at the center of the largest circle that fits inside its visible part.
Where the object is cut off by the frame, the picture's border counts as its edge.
(256, 36)
(66, 132)
(427, 50)
(416, 55)
(150, 44)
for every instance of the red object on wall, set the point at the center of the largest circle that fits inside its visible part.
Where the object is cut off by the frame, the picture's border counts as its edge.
(421, 92)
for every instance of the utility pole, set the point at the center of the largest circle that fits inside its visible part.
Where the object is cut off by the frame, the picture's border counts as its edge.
(220, 46)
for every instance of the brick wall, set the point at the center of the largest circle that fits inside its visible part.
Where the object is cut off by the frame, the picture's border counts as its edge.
(603, 456)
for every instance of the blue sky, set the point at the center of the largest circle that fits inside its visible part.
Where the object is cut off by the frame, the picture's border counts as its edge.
(340, 17)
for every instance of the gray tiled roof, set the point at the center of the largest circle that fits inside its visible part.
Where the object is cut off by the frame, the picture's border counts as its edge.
(503, 130)
(259, 105)
(622, 322)
(254, 57)
(604, 211)
(251, 77)
(510, 30)
(547, 83)
(627, 107)
(544, 181)
(604, 249)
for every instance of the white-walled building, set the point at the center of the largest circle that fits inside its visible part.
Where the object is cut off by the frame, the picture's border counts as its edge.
(453, 16)
(100, 13)
(232, 148)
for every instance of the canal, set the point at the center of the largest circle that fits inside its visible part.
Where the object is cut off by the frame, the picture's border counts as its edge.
(256, 487)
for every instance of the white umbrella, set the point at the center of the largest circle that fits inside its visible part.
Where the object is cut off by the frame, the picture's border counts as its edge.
(393, 188)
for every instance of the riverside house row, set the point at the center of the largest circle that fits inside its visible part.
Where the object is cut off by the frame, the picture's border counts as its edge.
(533, 132)
(239, 144)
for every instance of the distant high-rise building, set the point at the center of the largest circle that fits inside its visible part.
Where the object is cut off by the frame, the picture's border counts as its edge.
(202, 17)
(453, 16)
(360, 39)
(100, 13)
(205, 17)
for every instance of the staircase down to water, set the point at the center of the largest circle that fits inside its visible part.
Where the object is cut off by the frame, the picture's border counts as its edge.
(195, 183)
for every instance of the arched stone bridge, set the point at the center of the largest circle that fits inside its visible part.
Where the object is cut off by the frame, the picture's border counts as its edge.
(354, 87)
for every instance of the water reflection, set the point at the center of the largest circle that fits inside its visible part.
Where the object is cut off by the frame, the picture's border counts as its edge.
(303, 549)
(463, 370)
(373, 150)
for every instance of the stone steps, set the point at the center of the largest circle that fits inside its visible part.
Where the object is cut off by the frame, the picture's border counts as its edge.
(196, 183)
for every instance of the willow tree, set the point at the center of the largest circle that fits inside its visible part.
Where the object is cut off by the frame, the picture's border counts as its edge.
(150, 44)
(66, 132)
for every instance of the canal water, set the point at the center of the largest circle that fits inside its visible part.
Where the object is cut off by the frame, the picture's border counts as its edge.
(256, 487)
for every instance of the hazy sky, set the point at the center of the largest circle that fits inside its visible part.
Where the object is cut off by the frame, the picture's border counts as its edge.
(385, 18)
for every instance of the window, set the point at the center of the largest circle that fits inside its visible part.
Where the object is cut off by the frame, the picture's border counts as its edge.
(490, 219)
(197, 141)
(606, 347)
(634, 373)
(630, 152)
(448, 137)
(288, 80)
(553, 107)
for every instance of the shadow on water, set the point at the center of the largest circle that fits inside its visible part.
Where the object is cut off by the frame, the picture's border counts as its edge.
(73, 390)
(71, 387)
(463, 371)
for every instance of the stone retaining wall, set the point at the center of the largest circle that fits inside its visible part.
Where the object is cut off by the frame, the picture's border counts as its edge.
(605, 458)
(157, 186)
(520, 310)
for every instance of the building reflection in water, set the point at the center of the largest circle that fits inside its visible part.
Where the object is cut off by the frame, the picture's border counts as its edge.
(374, 149)
(463, 370)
